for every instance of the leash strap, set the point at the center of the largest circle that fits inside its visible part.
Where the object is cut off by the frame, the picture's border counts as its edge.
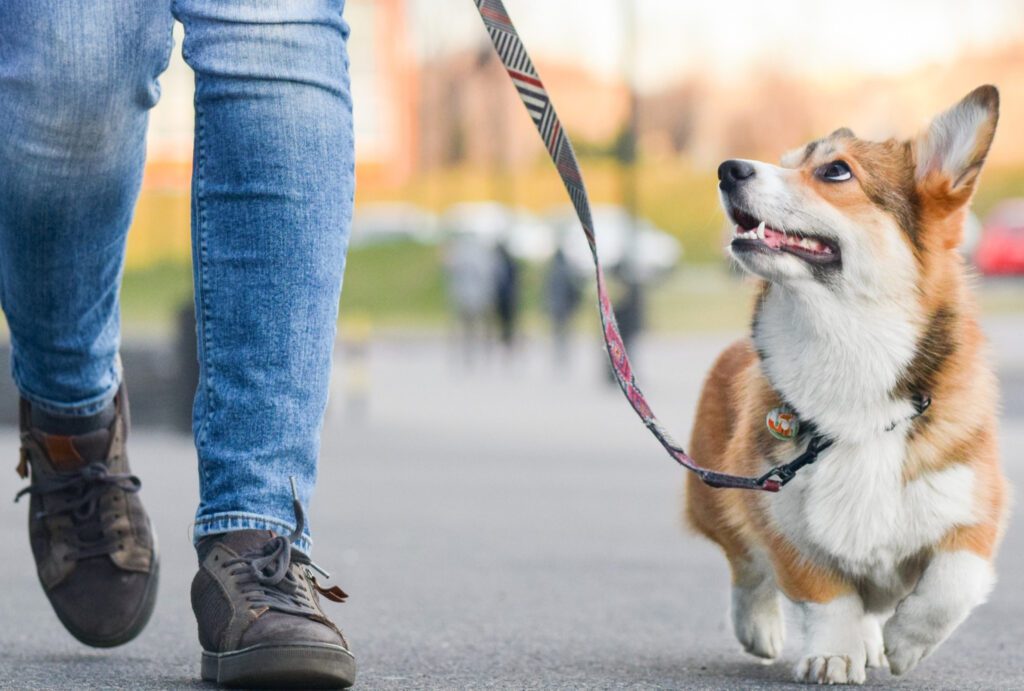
(538, 104)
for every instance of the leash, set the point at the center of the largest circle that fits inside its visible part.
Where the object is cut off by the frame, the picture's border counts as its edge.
(538, 104)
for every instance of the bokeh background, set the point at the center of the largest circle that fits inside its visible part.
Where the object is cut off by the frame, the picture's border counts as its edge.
(654, 95)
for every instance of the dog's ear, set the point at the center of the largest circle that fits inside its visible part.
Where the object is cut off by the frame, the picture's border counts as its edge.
(948, 155)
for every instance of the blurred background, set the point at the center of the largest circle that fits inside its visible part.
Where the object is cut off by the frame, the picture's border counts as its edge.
(462, 227)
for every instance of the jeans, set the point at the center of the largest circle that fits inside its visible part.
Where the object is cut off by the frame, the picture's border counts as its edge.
(272, 188)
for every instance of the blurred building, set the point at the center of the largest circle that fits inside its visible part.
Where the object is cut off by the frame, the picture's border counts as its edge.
(384, 90)
(433, 96)
(471, 114)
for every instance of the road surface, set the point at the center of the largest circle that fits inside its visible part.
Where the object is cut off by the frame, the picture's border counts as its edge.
(510, 526)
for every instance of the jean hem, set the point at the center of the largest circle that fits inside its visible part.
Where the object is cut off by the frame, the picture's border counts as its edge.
(90, 406)
(232, 521)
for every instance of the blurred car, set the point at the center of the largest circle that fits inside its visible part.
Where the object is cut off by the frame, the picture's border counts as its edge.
(1001, 249)
(526, 236)
(646, 256)
(392, 221)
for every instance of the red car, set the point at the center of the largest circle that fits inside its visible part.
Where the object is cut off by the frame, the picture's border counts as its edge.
(1001, 250)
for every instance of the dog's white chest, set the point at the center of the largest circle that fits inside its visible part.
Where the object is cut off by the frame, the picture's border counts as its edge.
(853, 507)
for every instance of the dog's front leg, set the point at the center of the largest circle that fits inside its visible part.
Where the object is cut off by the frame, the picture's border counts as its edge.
(832, 616)
(951, 586)
(834, 651)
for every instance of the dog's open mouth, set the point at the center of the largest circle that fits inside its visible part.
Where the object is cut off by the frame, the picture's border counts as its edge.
(754, 235)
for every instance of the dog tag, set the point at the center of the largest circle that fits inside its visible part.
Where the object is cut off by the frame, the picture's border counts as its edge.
(783, 424)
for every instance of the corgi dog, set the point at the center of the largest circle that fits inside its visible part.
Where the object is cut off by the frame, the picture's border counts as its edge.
(884, 543)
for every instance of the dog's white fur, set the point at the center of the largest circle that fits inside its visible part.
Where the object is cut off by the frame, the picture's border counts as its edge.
(952, 585)
(857, 513)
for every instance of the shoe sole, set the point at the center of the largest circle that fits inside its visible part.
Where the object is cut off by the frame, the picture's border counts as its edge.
(306, 666)
(137, 624)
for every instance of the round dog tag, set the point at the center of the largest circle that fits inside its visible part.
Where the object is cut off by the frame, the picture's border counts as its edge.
(783, 424)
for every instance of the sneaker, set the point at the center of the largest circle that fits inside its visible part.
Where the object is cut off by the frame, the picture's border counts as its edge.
(93, 544)
(260, 622)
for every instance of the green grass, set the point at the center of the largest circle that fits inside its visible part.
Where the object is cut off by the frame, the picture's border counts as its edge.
(401, 286)
(394, 282)
(701, 299)
(155, 294)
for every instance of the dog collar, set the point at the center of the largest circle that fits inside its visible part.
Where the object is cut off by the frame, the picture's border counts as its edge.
(784, 424)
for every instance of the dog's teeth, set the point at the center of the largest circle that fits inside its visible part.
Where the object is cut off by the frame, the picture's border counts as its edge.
(760, 230)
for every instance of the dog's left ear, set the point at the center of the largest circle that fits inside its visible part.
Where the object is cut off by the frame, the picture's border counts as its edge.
(948, 156)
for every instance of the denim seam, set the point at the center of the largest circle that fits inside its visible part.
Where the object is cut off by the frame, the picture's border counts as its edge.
(201, 283)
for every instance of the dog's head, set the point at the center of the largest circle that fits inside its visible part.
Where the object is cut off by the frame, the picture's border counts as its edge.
(844, 212)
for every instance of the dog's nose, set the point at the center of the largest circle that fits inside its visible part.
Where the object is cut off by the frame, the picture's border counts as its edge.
(732, 172)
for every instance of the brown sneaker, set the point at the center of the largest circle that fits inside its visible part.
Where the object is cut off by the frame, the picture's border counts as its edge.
(260, 621)
(94, 548)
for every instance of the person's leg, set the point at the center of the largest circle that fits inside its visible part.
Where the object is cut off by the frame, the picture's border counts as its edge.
(76, 81)
(272, 201)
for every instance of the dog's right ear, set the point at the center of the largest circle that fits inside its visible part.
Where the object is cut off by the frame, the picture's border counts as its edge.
(949, 155)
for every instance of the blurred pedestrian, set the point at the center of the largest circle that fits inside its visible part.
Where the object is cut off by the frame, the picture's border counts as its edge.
(272, 192)
(469, 269)
(562, 293)
(506, 293)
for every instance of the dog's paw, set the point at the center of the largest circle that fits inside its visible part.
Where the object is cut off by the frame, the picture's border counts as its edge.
(903, 649)
(874, 644)
(763, 634)
(830, 669)
(758, 622)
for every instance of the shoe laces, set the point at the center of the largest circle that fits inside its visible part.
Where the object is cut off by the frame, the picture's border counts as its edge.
(78, 495)
(266, 577)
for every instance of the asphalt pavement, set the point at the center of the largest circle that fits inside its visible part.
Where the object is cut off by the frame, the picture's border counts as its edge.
(508, 526)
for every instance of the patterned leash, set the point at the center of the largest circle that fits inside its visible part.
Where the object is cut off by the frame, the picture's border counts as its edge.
(535, 97)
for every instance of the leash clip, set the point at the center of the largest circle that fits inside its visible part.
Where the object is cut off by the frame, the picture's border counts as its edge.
(782, 474)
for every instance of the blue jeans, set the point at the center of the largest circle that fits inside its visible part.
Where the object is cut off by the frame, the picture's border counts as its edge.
(272, 190)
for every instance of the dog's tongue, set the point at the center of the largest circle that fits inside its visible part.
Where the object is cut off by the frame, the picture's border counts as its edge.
(773, 238)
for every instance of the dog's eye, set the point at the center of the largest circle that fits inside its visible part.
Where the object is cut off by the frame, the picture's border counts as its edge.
(836, 171)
